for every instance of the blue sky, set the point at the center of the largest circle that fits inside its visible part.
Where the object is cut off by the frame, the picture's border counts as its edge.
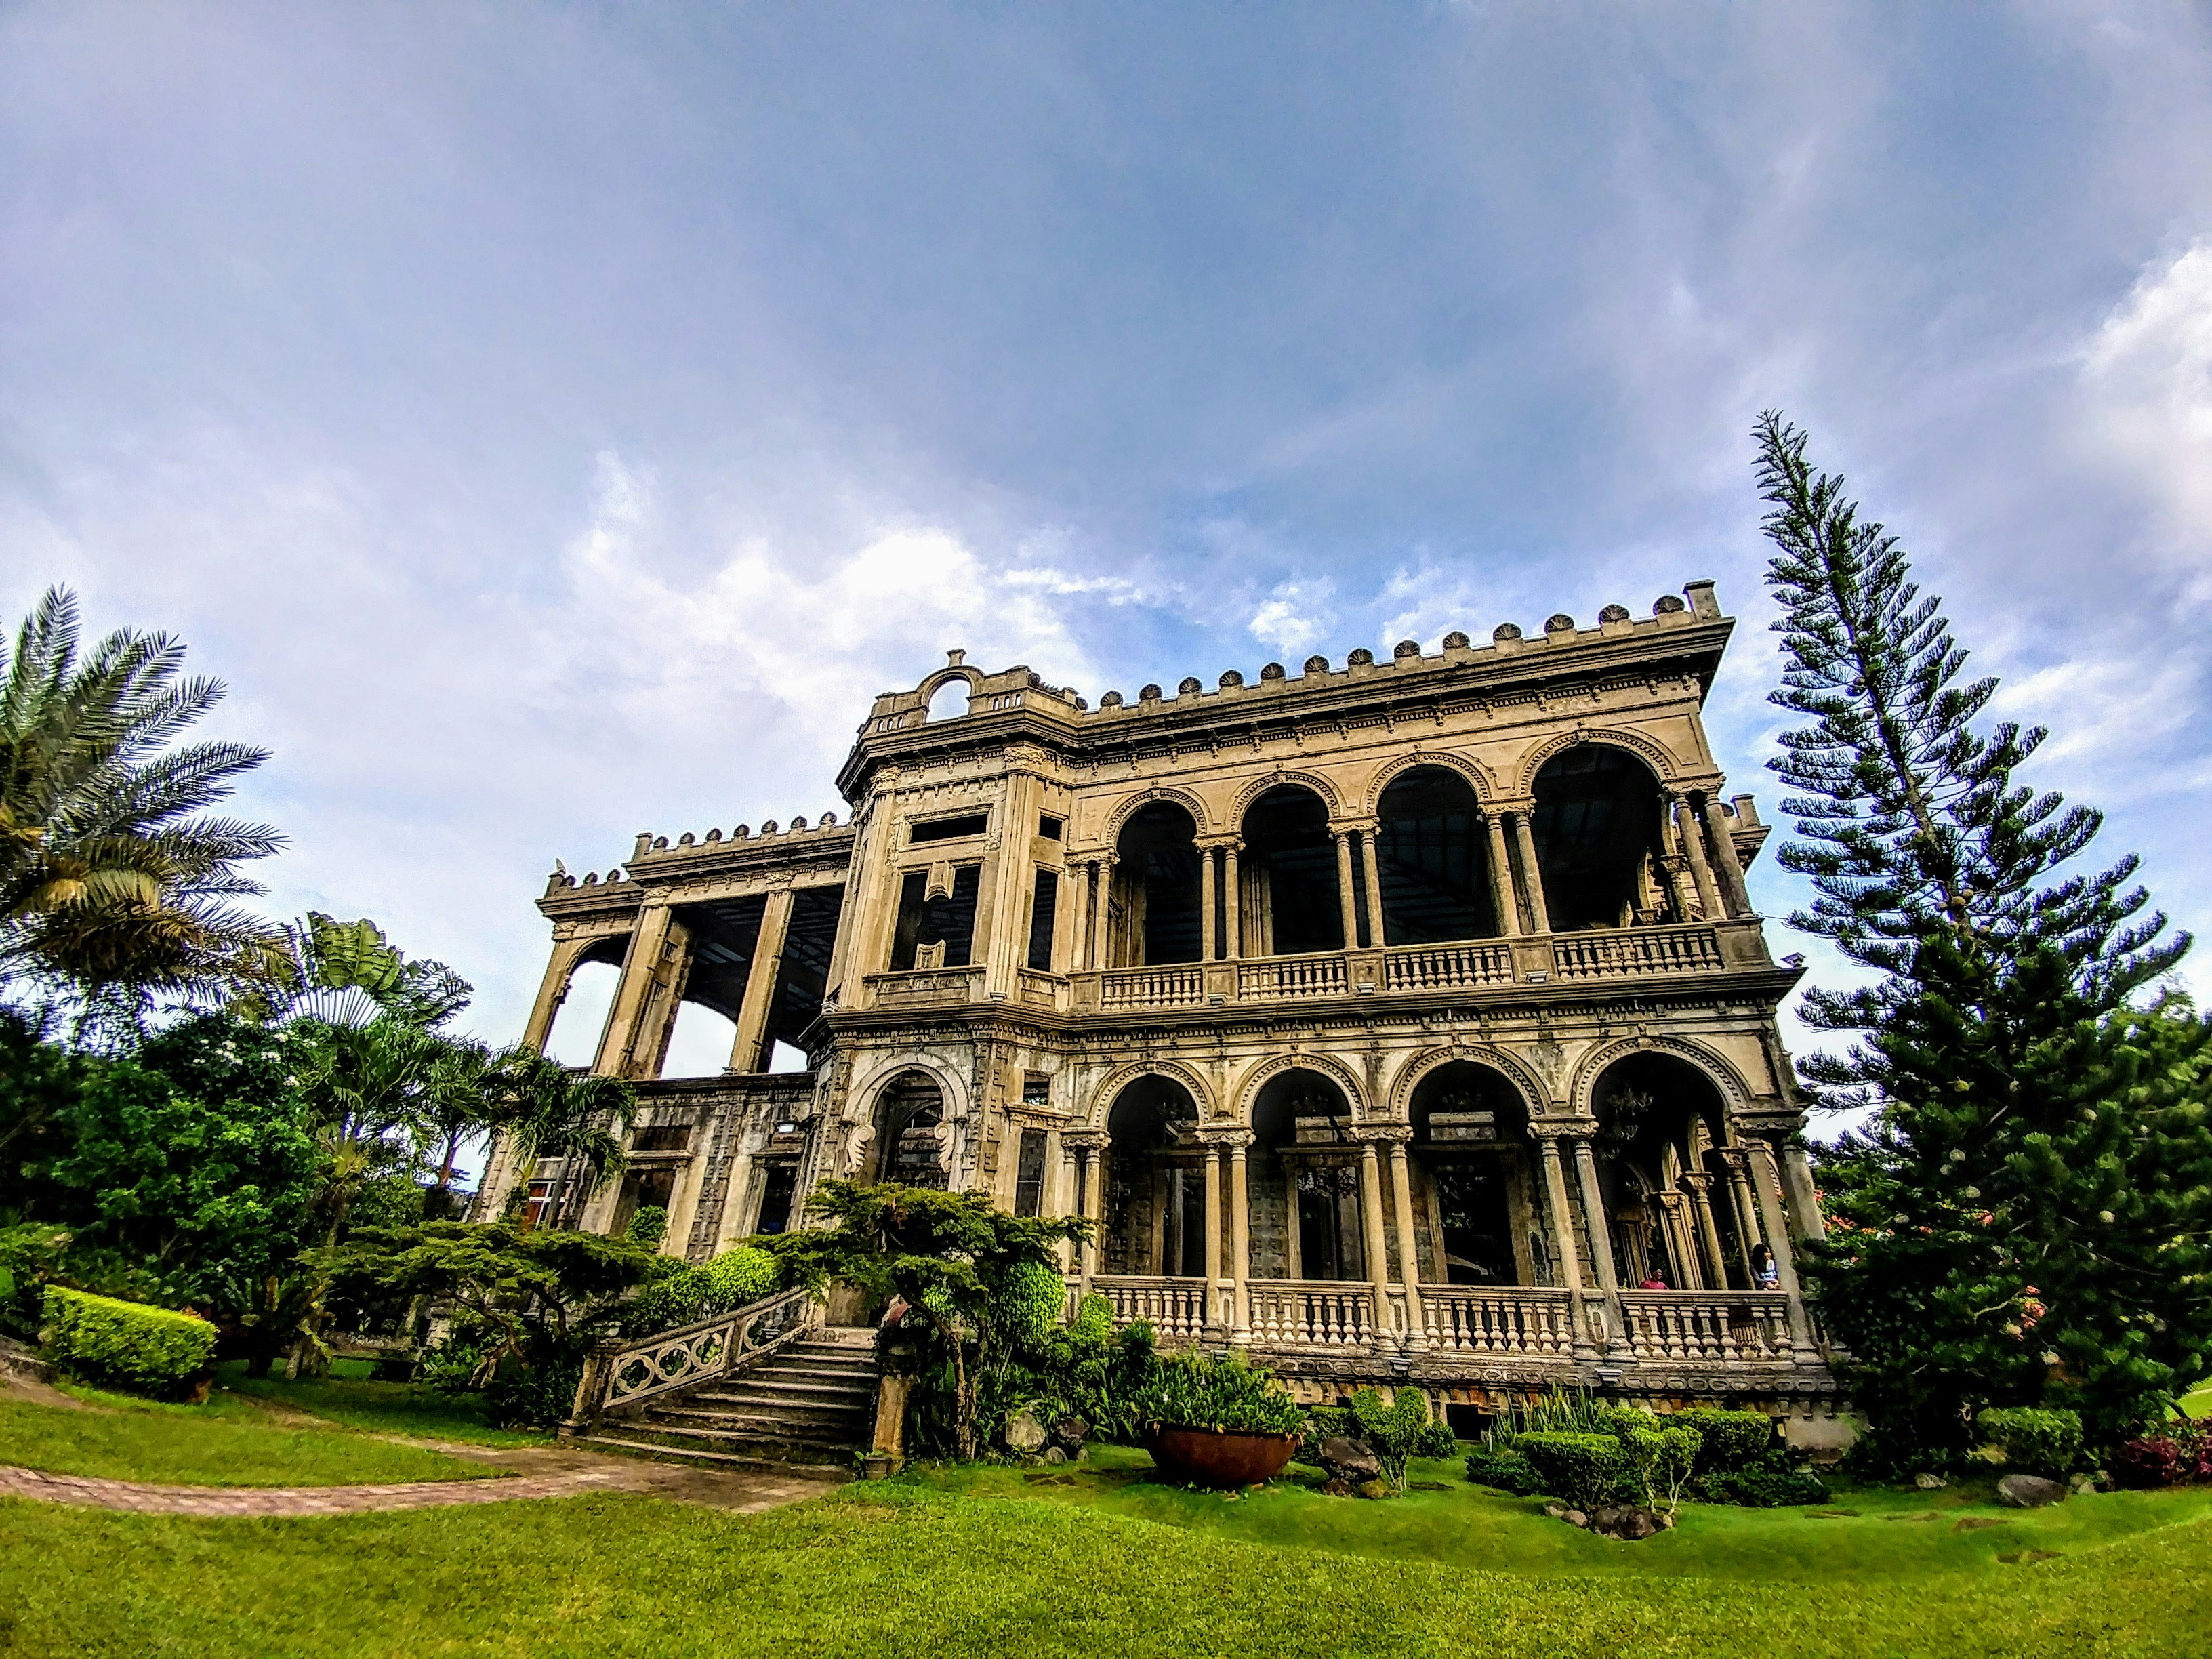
(557, 421)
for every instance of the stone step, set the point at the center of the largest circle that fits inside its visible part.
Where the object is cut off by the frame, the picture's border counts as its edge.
(756, 1390)
(773, 1444)
(827, 1376)
(697, 1457)
(823, 1420)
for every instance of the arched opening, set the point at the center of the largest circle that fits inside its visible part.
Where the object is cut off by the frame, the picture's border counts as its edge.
(950, 701)
(1669, 1205)
(1155, 1196)
(700, 1044)
(1599, 840)
(1476, 1208)
(581, 1020)
(1288, 868)
(1154, 910)
(1430, 853)
(1304, 1188)
(909, 1120)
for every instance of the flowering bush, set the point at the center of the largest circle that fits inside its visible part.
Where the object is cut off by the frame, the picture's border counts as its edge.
(2177, 1453)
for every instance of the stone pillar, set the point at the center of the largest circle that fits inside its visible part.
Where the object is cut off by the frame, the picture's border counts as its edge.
(1731, 867)
(1766, 1185)
(761, 975)
(1693, 848)
(1090, 1147)
(1102, 902)
(1563, 1242)
(1600, 1236)
(1804, 1198)
(1409, 1248)
(1699, 1187)
(1240, 1241)
(737, 1193)
(552, 991)
(1370, 1229)
(1344, 888)
(1747, 1213)
(1232, 904)
(1681, 1241)
(640, 965)
(1501, 876)
(1532, 872)
(1212, 1232)
(1206, 901)
(1376, 937)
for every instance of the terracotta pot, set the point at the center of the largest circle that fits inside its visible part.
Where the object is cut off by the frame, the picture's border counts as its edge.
(1207, 1458)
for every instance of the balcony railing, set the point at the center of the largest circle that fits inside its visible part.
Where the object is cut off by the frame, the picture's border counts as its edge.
(1311, 1313)
(1446, 967)
(1700, 1326)
(1692, 950)
(1172, 1307)
(1152, 988)
(1291, 976)
(1468, 1319)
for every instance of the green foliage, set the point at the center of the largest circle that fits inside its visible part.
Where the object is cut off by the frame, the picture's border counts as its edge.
(1657, 1458)
(1728, 1441)
(31, 1253)
(1223, 1392)
(1031, 1299)
(1558, 1411)
(1094, 1320)
(648, 1226)
(2046, 1443)
(127, 1344)
(2031, 1214)
(1584, 1469)
(740, 1276)
(1507, 1471)
(1397, 1432)
(1771, 1483)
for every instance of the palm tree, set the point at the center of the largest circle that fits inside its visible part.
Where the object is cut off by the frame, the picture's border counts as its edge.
(113, 881)
(578, 1118)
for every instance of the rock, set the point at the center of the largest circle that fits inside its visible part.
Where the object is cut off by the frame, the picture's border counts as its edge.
(2028, 1491)
(1054, 1454)
(1377, 1489)
(1575, 1518)
(1070, 1432)
(1930, 1482)
(2083, 1483)
(1349, 1461)
(1557, 1511)
(1333, 1487)
(1626, 1522)
(1026, 1432)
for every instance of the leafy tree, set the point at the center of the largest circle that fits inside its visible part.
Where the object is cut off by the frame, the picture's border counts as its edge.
(115, 883)
(2029, 1209)
(551, 1112)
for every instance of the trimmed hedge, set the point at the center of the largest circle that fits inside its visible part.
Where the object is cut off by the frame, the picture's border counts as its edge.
(1584, 1469)
(1030, 1302)
(1505, 1471)
(1728, 1441)
(2046, 1443)
(1771, 1484)
(737, 1276)
(127, 1344)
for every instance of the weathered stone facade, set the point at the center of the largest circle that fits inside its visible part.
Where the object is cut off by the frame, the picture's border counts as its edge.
(1272, 978)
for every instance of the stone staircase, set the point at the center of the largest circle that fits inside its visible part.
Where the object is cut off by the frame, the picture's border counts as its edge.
(813, 1402)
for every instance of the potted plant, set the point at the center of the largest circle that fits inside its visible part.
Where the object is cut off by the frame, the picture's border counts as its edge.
(1215, 1420)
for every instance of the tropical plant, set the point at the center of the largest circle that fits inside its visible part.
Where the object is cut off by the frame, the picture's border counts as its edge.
(2031, 1210)
(549, 1112)
(1402, 1430)
(1224, 1393)
(115, 884)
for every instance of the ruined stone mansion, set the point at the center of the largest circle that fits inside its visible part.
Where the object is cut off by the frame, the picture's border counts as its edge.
(1399, 1019)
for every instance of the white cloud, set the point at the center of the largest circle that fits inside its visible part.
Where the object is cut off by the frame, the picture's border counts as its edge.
(1295, 617)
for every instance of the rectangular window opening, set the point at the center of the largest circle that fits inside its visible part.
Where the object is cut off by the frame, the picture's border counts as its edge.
(780, 1185)
(1051, 827)
(1037, 1089)
(1029, 1174)
(1044, 912)
(968, 823)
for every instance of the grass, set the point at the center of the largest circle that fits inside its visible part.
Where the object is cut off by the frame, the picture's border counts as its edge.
(903, 1568)
(348, 1398)
(229, 1442)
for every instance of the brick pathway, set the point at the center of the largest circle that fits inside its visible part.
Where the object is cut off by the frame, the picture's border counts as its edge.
(561, 1474)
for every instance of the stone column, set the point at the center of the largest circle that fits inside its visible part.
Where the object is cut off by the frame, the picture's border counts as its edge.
(1101, 899)
(1090, 1148)
(1532, 872)
(1804, 1198)
(1501, 876)
(552, 991)
(640, 966)
(1212, 1231)
(1681, 1241)
(1376, 937)
(1344, 888)
(761, 973)
(1600, 1236)
(1206, 899)
(1240, 1240)
(1370, 1229)
(1746, 1212)
(737, 1192)
(1563, 1244)
(1701, 1206)
(1693, 848)
(1409, 1246)
(1766, 1184)
(1232, 904)
(1731, 867)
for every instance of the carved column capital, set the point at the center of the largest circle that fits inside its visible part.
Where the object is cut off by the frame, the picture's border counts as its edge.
(1234, 1136)
(1381, 1135)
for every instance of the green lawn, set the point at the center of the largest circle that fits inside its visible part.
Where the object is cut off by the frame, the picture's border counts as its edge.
(900, 1569)
(348, 1397)
(229, 1442)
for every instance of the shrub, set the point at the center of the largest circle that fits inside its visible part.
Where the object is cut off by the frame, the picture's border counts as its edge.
(1322, 1423)
(1584, 1469)
(1400, 1431)
(1728, 1441)
(1657, 1458)
(128, 1343)
(1771, 1484)
(2046, 1442)
(29, 1255)
(1093, 1324)
(1031, 1298)
(1223, 1392)
(739, 1275)
(649, 1225)
(1506, 1471)
(2178, 1452)
(686, 1294)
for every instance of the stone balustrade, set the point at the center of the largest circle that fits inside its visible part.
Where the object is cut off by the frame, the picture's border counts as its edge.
(1311, 1313)
(1707, 1326)
(1478, 1320)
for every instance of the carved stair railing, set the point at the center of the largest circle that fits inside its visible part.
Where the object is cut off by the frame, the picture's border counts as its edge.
(623, 1373)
